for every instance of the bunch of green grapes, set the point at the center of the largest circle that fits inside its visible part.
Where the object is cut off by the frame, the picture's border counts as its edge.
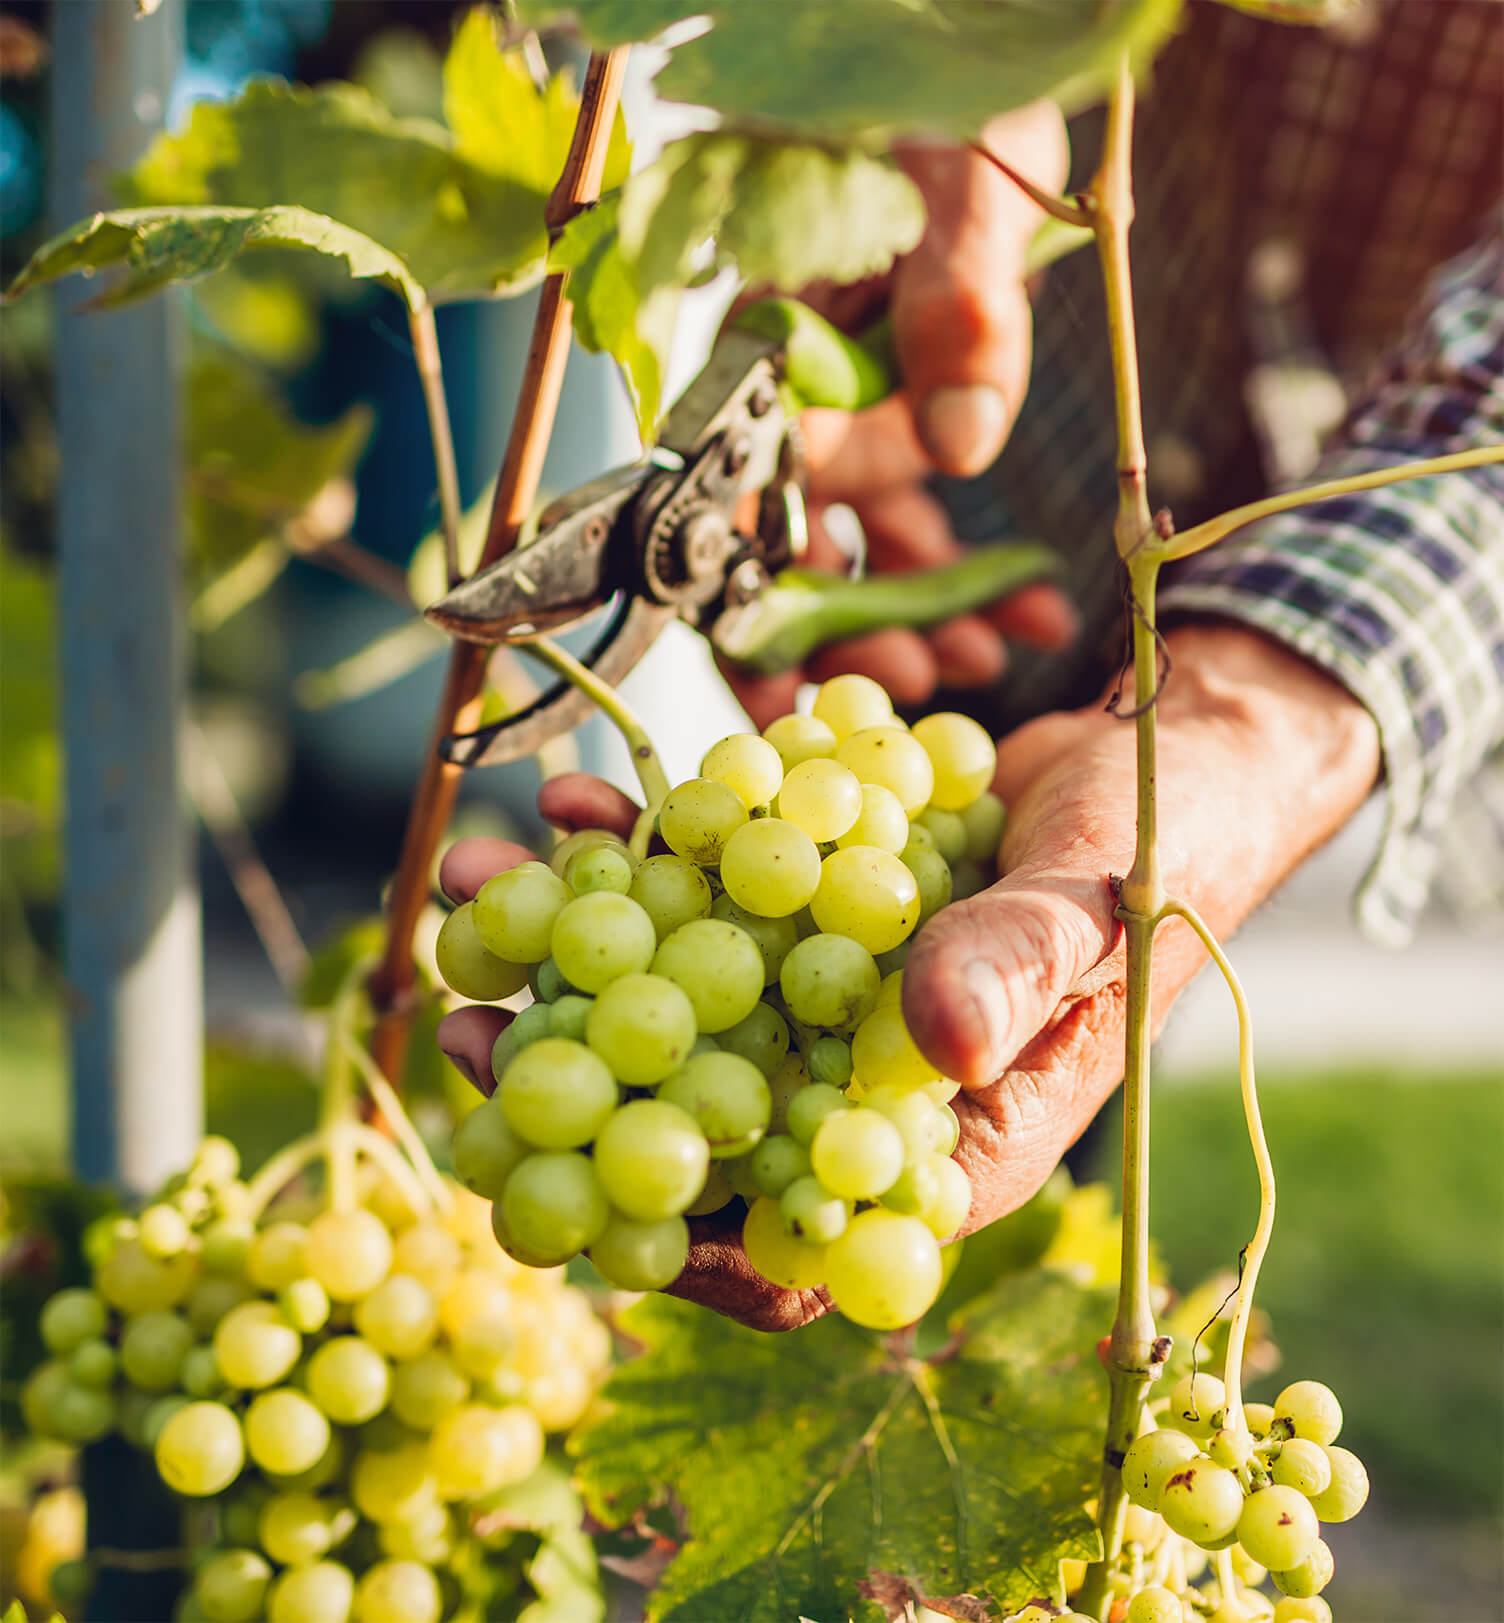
(721, 1021)
(337, 1390)
(1215, 1512)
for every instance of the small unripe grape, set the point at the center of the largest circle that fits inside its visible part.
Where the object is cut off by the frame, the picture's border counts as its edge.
(349, 1253)
(776, 1163)
(215, 1162)
(425, 1389)
(811, 1214)
(486, 1149)
(200, 1376)
(153, 1348)
(305, 1305)
(163, 1231)
(748, 765)
(762, 1038)
(829, 1061)
(225, 1245)
(93, 1363)
(200, 1450)
(604, 867)
(72, 1317)
(984, 820)
(809, 1107)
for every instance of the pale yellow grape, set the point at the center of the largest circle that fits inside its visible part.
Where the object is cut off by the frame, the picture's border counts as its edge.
(582, 840)
(822, 797)
(349, 1253)
(775, 1254)
(255, 1346)
(963, 755)
(163, 1231)
(866, 894)
(1312, 1409)
(321, 1592)
(884, 1271)
(1302, 1609)
(200, 1450)
(1310, 1577)
(231, 1587)
(847, 704)
(560, 1396)
(1278, 1527)
(774, 938)
(1347, 1492)
(476, 1292)
(1155, 1604)
(468, 967)
(428, 1252)
(514, 912)
(698, 817)
(1303, 1465)
(1258, 1417)
(398, 1592)
(599, 937)
(295, 1528)
(893, 758)
(748, 765)
(952, 1203)
(651, 1159)
(800, 738)
(393, 1485)
(305, 1305)
(427, 1388)
(770, 867)
(1202, 1501)
(671, 890)
(284, 1432)
(882, 821)
(891, 990)
(399, 1318)
(643, 1027)
(135, 1282)
(477, 1449)
(857, 1154)
(276, 1256)
(428, 1537)
(349, 1380)
(480, 1344)
(1194, 1400)
(883, 1054)
(718, 966)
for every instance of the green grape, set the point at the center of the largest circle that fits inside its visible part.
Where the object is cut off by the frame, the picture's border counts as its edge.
(774, 938)
(866, 894)
(554, 1205)
(284, 1432)
(255, 1346)
(962, 754)
(727, 1096)
(967, 879)
(39, 1394)
(919, 843)
(829, 1060)
(952, 1203)
(762, 1038)
(1155, 1605)
(276, 1257)
(349, 1380)
(399, 1318)
(1310, 1577)
(698, 817)
(427, 1388)
(642, 1026)
(1150, 1462)
(883, 1054)
(601, 936)
(514, 912)
(200, 1449)
(775, 1254)
(135, 1282)
(1194, 1402)
(638, 1256)
(467, 967)
(857, 1154)
(1302, 1465)
(72, 1317)
(1278, 1527)
(349, 1253)
(784, 1086)
(477, 1449)
(211, 1299)
(776, 1163)
(811, 1213)
(890, 993)
(829, 981)
(983, 821)
(153, 1348)
(158, 1414)
(163, 1231)
(78, 1413)
(914, 1191)
(392, 1485)
(546, 982)
(894, 759)
(800, 738)
(485, 1150)
(93, 1363)
(882, 822)
(1231, 1448)
(427, 1538)
(305, 1305)
(295, 1528)
(231, 1585)
(718, 1190)
(652, 1158)
(1258, 1417)
(948, 832)
(427, 1251)
(558, 1094)
(950, 1128)
(671, 891)
(1347, 1492)
(603, 867)
(398, 1592)
(321, 1592)
(1202, 1501)
(884, 1271)
(771, 868)
(1302, 1609)
(225, 1244)
(585, 839)
(847, 704)
(921, 1123)
(934, 880)
(718, 967)
(821, 797)
(748, 765)
(1311, 1409)
(810, 1106)
(200, 1376)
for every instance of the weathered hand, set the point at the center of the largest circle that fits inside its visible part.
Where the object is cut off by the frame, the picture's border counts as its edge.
(961, 326)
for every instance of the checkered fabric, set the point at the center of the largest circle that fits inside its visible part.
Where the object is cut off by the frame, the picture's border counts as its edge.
(1295, 190)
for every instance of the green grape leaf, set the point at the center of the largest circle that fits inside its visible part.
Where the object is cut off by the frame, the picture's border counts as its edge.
(806, 1463)
(503, 124)
(161, 245)
(832, 70)
(460, 231)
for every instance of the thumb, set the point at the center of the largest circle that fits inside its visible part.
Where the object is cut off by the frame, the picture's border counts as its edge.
(987, 974)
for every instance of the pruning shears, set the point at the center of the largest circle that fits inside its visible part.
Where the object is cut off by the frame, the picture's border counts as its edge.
(658, 540)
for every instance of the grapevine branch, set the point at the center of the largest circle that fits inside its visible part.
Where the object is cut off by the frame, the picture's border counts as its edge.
(516, 490)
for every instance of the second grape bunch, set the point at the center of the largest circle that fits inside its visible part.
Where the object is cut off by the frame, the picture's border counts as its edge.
(722, 1022)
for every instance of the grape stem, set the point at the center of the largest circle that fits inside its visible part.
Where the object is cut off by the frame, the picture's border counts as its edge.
(283, 1167)
(387, 1156)
(337, 1108)
(384, 1095)
(1258, 1246)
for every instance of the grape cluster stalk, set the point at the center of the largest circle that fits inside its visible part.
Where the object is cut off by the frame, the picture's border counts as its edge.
(721, 1021)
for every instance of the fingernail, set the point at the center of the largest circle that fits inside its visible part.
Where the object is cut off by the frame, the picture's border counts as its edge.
(990, 1008)
(963, 426)
(464, 1067)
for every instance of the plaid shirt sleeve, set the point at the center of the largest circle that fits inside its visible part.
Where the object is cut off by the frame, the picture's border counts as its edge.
(1399, 592)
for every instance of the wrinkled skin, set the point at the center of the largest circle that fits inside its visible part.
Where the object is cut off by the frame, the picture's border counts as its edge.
(1019, 993)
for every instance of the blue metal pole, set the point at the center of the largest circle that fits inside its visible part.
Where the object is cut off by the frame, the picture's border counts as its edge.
(130, 909)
